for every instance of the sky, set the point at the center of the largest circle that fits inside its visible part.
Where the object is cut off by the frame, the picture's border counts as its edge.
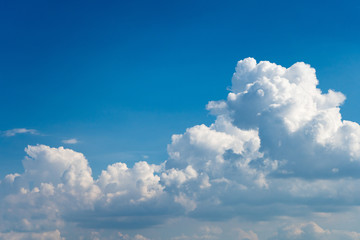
(179, 120)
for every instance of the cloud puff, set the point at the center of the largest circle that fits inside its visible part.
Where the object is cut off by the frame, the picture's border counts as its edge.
(15, 131)
(250, 235)
(70, 141)
(278, 147)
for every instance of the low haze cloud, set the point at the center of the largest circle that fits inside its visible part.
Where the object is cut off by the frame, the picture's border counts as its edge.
(312, 231)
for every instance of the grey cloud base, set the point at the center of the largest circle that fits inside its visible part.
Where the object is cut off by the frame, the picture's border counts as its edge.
(278, 147)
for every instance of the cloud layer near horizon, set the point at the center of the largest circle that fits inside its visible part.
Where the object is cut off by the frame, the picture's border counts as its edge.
(278, 147)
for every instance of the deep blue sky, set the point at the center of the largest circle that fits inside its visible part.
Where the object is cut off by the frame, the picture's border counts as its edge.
(123, 76)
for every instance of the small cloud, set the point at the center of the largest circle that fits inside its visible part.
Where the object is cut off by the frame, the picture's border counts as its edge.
(70, 141)
(145, 156)
(13, 132)
(247, 235)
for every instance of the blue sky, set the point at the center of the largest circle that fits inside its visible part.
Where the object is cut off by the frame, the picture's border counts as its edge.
(128, 75)
(121, 77)
(94, 70)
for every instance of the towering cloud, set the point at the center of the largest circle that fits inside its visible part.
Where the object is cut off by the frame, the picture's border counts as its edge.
(278, 147)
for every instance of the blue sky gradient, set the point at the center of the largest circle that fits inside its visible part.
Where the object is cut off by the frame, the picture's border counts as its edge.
(121, 77)
(132, 73)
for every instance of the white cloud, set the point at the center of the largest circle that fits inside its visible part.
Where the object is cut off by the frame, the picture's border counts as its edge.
(57, 183)
(137, 184)
(70, 141)
(15, 131)
(277, 139)
(278, 147)
(179, 177)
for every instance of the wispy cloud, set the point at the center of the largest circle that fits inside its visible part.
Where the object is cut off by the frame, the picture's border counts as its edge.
(15, 131)
(70, 141)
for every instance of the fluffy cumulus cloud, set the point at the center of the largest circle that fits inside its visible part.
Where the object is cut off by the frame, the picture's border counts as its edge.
(57, 188)
(278, 147)
(277, 141)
